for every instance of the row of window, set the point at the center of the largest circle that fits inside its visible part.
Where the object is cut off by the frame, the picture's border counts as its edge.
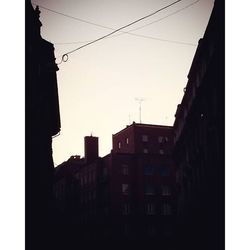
(149, 190)
(161, 139)
(150, 209)
(145, 138)
(88, 178)
(148, 170)
(161, 151)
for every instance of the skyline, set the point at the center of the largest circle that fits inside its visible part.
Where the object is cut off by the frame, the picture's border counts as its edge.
(101, 82)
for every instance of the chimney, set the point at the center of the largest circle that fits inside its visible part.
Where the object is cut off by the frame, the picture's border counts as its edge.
(90, 148)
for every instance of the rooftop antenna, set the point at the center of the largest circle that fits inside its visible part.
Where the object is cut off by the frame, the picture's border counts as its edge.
(140, 100)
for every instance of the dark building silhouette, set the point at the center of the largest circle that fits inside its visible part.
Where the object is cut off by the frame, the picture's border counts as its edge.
(42, 122)
(127, 195)
(199, 143)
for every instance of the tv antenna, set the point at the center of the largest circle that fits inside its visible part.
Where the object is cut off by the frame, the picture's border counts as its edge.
(140, 100)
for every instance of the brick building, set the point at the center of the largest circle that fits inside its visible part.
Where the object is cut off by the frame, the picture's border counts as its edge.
(199, 142)
(129, 193)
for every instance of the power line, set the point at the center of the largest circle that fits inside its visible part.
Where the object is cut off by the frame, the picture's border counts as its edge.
(106, 27)
(65, 56)
(138, 35)
(171, 14)
(71, 17)
(125, 32)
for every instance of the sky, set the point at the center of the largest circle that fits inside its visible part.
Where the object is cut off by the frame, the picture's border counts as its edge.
(99, 86)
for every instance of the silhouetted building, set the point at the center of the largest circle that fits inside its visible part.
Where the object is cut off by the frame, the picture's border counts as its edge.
(129, 193)
(42, 120)
(199, 143)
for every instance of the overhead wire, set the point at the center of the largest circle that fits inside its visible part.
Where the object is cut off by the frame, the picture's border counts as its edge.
(66, 55)
(139, 35)
(124, 32)
(171, 14)
(106, 27)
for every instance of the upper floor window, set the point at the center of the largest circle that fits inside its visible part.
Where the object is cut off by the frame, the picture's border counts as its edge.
(161, 151)
(164, 171)
(125, 209)
(148, 170)
(144, 138)
(160, 139)
(145, 151)
(127, 140)
(124, 169)
(150, 208)
(165, 190)
(119, 144)
(105, 172)
(166, 209)
(125, 189)
(149, 190)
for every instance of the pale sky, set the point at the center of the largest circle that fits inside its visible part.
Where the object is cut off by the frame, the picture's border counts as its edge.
(99, 83)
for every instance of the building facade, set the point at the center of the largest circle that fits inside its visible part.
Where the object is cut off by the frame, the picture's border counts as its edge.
(130, 193)
(199, 142)
(42, 121)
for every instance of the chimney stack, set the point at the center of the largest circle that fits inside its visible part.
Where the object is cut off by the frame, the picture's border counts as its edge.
(91, 148)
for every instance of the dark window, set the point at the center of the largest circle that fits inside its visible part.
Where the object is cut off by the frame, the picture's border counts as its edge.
(126, 209)
(148, 170)
(124, 169)
(166, 209)
(165, 190)
(149, 190)
(150, 208)
(125, 189)
(164, 171)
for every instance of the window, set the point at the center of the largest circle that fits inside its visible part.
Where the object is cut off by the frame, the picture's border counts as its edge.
(124, 169)
(125, 189)
(160, 139)
(150, 209)
(165, 190)
(161, 151)
(144, 138)
(126, 209)
(105, 172)
(151, 230)
(85, 179)
(149, 190)
(148, 170)
(163, 171)
(94, 195)
(119, 144)
(90, 177)
(93, 177)
(166, 209)
(145, 151)
(126, 140)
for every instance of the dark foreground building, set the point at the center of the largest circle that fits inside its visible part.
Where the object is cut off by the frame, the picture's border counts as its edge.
(199, 143)
(42, 122)
(128, 195)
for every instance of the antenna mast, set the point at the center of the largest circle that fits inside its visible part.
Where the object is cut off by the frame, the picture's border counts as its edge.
(140, 100)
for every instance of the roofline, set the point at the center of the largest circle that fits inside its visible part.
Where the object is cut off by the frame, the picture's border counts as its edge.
(143, 125)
